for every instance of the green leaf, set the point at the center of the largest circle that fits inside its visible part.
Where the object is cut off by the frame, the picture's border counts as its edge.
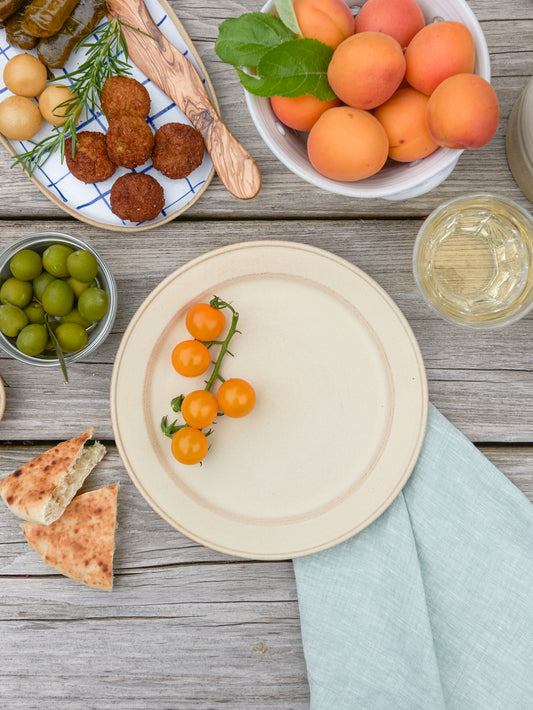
(242, 41)
(292, 69)
(286, 12)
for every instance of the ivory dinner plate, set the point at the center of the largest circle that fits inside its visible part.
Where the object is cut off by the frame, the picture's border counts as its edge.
(90, 202)
(341, 402)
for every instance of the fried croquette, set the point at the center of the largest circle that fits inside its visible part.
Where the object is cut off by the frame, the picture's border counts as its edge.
(178, 150)
(91, 162)
(129, 141)
(122, 95)
(137, 197)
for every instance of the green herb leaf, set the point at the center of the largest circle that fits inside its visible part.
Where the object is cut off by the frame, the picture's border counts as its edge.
(287, 15)
(294, 68)
(242, 41)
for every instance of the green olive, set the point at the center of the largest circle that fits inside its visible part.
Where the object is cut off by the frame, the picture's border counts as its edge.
(18, 293)
(35, 312)
(71, 337)
(32, 339)
(93, 304)
(12, 320)
(58, 298)
(75, 317)
(79, 286)
(55, 260)
(82, 265)
(26, 265)
(41, 282)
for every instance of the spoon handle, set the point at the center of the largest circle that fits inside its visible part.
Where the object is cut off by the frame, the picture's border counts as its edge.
(166, 66)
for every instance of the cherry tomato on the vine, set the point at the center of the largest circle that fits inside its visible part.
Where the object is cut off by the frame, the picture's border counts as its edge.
(236, 397)
(199, 408)
(190, 358)
(205, 322)
(189, 446)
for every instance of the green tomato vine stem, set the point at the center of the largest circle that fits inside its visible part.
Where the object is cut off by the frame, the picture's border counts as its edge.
(219, 303)
(216, 302)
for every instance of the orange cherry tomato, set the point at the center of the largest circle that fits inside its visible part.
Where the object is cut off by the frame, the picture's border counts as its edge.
(236, 397)
(205, 322)
(190, 358)
(199, 408)
(189, 446)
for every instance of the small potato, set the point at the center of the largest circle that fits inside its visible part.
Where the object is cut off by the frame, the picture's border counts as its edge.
(52, 97)
(20, 118)
(25, 75)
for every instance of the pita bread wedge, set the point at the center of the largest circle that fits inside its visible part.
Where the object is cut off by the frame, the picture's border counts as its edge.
(40, 490)
(81, 543)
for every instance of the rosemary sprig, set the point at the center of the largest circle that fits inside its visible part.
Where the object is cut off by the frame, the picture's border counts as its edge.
(102, 61)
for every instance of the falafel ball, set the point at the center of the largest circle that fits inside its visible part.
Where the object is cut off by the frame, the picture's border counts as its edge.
(122, 95)
(137, 197)
(178, 150)
(129, 141)
(90, 162)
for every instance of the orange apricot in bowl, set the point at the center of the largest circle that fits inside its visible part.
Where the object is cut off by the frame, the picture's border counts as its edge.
(366, 69)
(438, 51)
(400, 19)
(302, 112)
(329, 21)
(463, 112)
(403, 117)
(347, 144)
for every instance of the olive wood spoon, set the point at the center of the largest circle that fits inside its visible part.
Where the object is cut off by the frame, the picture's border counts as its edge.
(166, 66)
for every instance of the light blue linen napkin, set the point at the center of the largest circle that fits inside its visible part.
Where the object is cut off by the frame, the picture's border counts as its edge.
(430, 607)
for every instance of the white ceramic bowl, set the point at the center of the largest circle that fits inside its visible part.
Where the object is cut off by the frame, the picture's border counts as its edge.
(396, 181)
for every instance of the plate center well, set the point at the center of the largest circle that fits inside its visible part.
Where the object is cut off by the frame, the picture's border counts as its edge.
(324, 398)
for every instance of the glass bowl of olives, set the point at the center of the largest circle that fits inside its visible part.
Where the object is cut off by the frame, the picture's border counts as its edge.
(56, 293)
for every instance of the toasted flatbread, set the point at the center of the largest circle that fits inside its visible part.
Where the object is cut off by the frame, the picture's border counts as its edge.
(40, 490)
(81, 543)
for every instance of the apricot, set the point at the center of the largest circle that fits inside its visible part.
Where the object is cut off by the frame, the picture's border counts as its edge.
(438, 51)
(463, 112)
(400, 19)
(403, 117)
(347, 144)
(302, 112)
(366, 69)
(329, 21)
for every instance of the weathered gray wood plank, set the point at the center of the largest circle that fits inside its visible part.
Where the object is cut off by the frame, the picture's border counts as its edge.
(146, 544)
(171, 634)
(492, 370)
(210, 659)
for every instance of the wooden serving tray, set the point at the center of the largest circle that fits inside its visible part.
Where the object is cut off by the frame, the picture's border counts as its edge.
(90, 203)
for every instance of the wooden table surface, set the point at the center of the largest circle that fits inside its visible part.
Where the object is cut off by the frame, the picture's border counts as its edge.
(185, 626)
